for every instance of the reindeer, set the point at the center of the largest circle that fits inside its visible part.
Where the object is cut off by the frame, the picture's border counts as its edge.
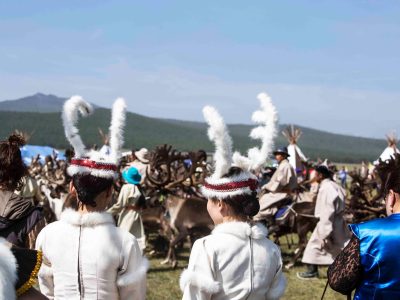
(299, 218)
(185, 210)
(363, 204)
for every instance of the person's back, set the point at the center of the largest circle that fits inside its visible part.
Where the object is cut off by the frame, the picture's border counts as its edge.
(330, 194)
(128, 205)
(20, 218)
(237, 261)
(86, 257)
(379, 245)
(244, 264)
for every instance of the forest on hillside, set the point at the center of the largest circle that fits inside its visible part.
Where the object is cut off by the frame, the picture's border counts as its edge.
(183, 135)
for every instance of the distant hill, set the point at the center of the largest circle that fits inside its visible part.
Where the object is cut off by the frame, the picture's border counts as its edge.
(314, 143)
(35, 103)
(148, 132)
(39, 103)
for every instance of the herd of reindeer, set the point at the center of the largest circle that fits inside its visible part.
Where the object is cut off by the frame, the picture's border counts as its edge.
(175, 211)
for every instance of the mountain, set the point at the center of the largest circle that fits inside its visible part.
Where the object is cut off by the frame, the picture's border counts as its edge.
(38, 102)
(148, 132)
(35, 103)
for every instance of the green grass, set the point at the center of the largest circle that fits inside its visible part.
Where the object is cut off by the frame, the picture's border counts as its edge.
(163, 281)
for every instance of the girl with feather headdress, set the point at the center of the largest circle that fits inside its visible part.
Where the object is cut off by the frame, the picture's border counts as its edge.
(237, 261)
(85, 256)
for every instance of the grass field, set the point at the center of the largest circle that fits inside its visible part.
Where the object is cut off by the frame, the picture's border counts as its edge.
(163, 281)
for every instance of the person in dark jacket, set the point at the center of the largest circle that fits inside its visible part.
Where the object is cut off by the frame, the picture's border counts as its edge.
(369, 263)
(18, 271)
(20, 219)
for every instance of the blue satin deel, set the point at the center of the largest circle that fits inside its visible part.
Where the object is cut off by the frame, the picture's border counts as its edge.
(380, 258)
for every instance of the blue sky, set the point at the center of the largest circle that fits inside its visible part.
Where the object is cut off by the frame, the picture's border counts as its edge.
(331, 65)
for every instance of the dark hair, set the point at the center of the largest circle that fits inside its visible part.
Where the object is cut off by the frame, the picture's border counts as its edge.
(242, 205)
(389, 173)
(12, 167)
(88, 187)
(324, 171)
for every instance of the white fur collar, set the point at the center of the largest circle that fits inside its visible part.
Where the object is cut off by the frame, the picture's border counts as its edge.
(8, 272)
(87, 219)
(242, 230)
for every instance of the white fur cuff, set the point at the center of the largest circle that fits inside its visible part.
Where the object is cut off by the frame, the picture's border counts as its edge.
(138, 276)
(8, 272)
(204, 284)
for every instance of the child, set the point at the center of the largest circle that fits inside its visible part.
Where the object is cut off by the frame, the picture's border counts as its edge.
(237, 261)
(85, 256)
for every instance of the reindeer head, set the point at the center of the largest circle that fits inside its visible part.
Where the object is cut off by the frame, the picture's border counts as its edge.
(168, 168)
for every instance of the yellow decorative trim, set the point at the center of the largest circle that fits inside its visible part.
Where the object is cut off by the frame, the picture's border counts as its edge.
(32, 279)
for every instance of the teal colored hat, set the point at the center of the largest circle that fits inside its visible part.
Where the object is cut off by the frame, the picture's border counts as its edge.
(132, 175)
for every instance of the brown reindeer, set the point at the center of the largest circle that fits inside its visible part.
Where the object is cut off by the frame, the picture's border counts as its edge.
(176, 176)
(299, 219)
(366, 201)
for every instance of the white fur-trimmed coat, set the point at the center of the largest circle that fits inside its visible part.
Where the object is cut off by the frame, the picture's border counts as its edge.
(8, 272)
(109, 260)
(235, 262)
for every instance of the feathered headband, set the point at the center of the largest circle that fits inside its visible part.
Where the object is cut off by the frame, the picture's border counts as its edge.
(217, 186)
(93, 162)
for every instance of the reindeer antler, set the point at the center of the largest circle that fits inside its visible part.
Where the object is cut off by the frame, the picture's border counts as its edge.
(267, 117)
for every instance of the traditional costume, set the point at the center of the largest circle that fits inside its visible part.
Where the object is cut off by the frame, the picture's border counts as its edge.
(141, 163)
(127, 206)
(20, 219)
(237, 261)
(283, 182)
(85, 256)
(331, 234)
(370, 262)
(18, 270)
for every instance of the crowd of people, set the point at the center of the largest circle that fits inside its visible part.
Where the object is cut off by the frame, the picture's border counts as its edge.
(96, 248)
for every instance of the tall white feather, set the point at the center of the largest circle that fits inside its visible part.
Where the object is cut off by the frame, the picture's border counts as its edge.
(70, 119)
(267, 117)
(218, 133)
(117, 128)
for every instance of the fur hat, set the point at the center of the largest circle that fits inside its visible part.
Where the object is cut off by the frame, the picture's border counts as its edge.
(220, 187)
(93, 162)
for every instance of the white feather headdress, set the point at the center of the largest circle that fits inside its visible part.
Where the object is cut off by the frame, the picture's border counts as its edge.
(220, 187)
(93, 162)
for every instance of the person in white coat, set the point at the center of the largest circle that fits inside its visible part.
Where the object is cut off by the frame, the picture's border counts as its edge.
(237, 261)
(331, 233)
(127, 206)
(85, 256)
